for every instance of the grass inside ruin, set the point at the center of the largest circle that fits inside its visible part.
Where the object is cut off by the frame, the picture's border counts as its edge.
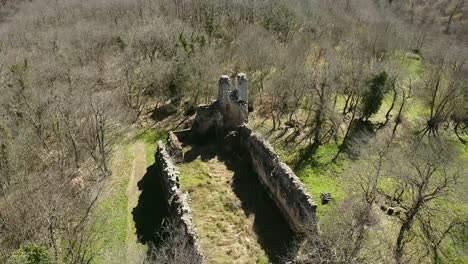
(236, 220)
(226, 233)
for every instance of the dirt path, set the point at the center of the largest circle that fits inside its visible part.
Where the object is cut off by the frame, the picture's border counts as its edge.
(135, 251)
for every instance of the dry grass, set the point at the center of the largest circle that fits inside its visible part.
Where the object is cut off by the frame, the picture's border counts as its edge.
(225, 231)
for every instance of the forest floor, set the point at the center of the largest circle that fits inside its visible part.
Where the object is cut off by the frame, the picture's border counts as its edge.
(236, 220)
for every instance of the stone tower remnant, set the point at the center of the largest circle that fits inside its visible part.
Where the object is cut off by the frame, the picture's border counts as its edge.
(243, 87)
(224, 89)
(229, 111)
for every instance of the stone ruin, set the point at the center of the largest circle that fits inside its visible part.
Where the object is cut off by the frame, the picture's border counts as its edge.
(175, 200)
(226, 119)
(325, 197)
(228, 112)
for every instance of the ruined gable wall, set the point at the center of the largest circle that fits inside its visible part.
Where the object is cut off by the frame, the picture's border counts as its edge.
(226, 113)
(208, 119)
(174, 148)
(232, 115)
(177, 201)
(283, 186)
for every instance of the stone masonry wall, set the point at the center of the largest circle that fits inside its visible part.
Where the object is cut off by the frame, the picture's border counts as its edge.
(207, 120)
(174, 148)
(226, 113)
(283, 186)
(177, 201)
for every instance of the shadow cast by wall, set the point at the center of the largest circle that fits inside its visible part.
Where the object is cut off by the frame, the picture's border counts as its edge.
(274, 233)
(204, 152)
(200, 147)
(151, 209)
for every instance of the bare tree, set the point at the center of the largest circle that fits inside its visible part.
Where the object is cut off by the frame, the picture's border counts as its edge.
(437, 227)
(344, 234)
(458, 5)
(426, 174)
(444, 88)
(174, 246)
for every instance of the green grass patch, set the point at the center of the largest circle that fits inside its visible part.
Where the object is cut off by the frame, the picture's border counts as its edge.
(317, 172)
(150, 137)
(111, 216)
(410, 61)
(194, 174)
(226, 232)
(415, 67)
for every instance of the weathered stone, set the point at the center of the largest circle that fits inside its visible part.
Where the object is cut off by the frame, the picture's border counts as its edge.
(244, 113)
(383, 207)
(325, 197)
(243, 87)
(390, 211)
(208, 119)
(234, 96)
(283, 186)
(231, 142)
(224, 90)
(228, 112)
(176, 200)
(189, 122)
(175, 148)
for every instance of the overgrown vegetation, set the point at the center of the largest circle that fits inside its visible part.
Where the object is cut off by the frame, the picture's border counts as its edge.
(365, 99)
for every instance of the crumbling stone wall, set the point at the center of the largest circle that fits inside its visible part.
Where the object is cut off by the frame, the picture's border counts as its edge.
(174, 148)
(229, 113)
(208, 119)
(226, 113)
(283, 186)
(177, 201)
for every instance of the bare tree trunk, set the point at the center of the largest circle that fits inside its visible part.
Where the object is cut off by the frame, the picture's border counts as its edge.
(410, 88)
(319, 116)
(405, 227)
(387, 115)
(274, 120)
(335, 99)
(345, 139)
(454, 11)
(309, 113)
(398, 118)
(463, 141)
(399, 251)
(348, 97)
